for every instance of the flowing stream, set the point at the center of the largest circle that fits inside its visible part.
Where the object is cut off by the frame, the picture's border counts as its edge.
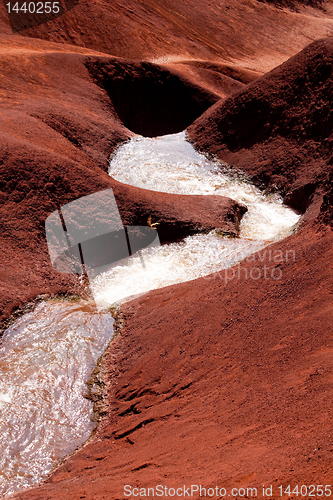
(48, 355)
(170, 164)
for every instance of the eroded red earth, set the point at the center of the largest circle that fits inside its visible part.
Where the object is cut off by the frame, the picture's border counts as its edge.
(219, 381)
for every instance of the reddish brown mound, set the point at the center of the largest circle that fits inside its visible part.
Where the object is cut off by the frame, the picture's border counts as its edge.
(58, 130)
(258, 34)
(56, 133)
(212, 79)
(177, 215)
(148, 99)
(218, 384)
(221, 79)
(280, 128)
(237, 74)
(326, 211)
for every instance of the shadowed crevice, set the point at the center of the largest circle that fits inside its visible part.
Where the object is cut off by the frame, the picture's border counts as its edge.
(150, 100)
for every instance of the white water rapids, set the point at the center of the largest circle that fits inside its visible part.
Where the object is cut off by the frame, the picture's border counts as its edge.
(170, 164)
(47, 356)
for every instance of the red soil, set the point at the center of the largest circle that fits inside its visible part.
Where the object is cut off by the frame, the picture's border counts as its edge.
(48, 157)
(218, 384)
(210, 383)
(253, 34)
(279, 129)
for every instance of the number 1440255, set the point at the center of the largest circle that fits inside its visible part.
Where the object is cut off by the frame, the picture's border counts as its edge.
(33, 8)
(319, 490)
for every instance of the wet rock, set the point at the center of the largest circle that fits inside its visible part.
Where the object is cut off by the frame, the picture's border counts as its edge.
(176, 216)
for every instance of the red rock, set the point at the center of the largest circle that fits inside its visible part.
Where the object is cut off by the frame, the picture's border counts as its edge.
(177, 215)
(221, 79)
(48, 157)
(279, 128)
(256, 35)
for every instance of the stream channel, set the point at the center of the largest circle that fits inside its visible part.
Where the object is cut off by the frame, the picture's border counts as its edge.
(47, 356)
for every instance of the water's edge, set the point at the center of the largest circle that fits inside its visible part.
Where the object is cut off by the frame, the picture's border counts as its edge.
(32, 304)
(97, 385)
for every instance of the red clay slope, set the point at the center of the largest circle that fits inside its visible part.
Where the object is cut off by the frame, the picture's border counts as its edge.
(224, 381)
(218, 384)
(242, 35)
(176, 215)
(209, 382)
(48, 156)
(248, 32)
(279, 129)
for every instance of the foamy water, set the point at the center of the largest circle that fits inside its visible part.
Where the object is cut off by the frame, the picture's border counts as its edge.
(170, 164)
(47, 356)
